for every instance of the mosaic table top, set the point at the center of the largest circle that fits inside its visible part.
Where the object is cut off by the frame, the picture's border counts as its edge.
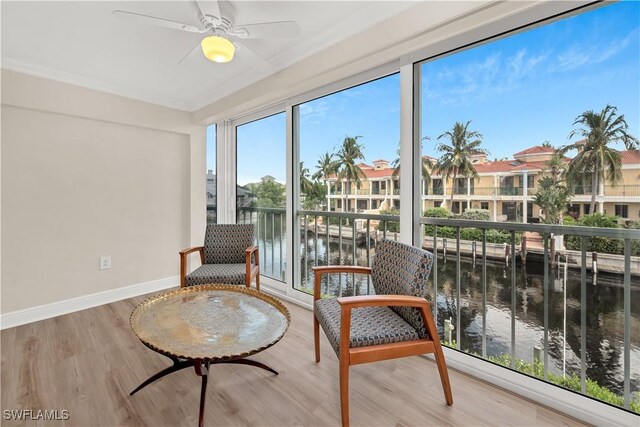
(210, 322)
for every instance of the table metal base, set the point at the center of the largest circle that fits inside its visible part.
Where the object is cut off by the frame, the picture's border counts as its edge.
(202, 370)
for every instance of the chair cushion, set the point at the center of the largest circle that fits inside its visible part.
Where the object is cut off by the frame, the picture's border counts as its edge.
(369, 325)
(231, 274)
(400, 269)
(226, 243)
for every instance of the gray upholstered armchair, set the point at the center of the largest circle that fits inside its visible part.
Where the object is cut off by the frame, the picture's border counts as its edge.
(228, 256)
(397, 322)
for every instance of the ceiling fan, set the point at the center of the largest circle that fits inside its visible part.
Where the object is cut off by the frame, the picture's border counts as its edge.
(223, 39)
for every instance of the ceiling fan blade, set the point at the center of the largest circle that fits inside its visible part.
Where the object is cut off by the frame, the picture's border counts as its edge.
(280, 29)
(189, 53)
(152, 20)
(252, 58)
(210, 8)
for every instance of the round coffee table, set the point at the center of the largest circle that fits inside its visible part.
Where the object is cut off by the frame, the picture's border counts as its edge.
(208, 324)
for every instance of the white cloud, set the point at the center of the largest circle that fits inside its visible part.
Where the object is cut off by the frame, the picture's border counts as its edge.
(478, 80)
(313, 112)
(578, 56)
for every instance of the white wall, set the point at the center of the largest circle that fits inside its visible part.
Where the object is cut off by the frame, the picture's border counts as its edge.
(86, 174)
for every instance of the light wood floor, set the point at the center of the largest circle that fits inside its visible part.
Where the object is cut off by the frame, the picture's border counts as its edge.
(88, 362)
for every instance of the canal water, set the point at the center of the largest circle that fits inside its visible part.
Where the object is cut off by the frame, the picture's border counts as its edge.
(604, 308)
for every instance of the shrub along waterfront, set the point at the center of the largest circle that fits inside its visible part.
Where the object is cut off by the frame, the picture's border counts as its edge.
(605, 245)
(467, 233)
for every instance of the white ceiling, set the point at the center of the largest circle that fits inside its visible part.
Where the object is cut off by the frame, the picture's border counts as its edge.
(84, 44)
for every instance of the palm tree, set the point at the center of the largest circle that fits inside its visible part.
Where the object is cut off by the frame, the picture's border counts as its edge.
(557, 167)
(547, 144)
(427, 165)
(595, 157)
(326, 167)
(552, 198)
(349, 154)
(456, 158)
(306, 186)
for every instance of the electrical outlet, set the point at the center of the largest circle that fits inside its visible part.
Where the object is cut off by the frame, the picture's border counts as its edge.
(105, 262)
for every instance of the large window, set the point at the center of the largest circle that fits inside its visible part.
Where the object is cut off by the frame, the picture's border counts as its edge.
(496, 114)
(490, 120)
(348, 145)
(260, 190)
(212, 199)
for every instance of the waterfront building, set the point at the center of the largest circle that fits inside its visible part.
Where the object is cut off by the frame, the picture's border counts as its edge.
(506, 188)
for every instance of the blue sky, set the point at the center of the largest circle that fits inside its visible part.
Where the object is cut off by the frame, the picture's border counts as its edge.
(517, 92)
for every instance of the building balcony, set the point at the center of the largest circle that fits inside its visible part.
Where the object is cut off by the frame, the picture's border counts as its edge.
(437, 191)
(582, 189)
(510, 191)
(460, 190)
(622, 190)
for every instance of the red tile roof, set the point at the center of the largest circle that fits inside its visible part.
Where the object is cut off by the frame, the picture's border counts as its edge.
(529, 166)
(538, 149)
(508, 166)
(630, 157)
(497, 166)
(380, 173)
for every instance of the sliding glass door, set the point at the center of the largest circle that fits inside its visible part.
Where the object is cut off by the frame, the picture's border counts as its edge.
(261, 188)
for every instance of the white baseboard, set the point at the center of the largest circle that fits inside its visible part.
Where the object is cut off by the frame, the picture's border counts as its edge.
(58, 308)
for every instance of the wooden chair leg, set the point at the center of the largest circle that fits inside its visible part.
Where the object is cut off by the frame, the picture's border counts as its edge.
(316, 337)
(444, 374)
(258, 281)
(432, 331)
(344, 388)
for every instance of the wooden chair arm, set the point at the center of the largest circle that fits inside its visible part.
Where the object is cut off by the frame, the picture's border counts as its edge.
(183, 261)
(323, 269)
(383, 301)
(191, 249)
(252, 270)
(250, 251)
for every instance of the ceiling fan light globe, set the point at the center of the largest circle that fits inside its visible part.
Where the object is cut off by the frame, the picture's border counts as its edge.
(217, 49)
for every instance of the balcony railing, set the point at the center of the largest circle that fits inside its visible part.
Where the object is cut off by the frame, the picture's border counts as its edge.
(484, 191)
(551, 317)
(270, 237)
(460, 190)
(377, 191)
(581, 190)
(510, 191)
(438, 191)
(396, 191)
(622, 190)
(513, 305)
(609, 190)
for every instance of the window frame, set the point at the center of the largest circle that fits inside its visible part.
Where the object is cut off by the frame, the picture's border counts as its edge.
(623, 209)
